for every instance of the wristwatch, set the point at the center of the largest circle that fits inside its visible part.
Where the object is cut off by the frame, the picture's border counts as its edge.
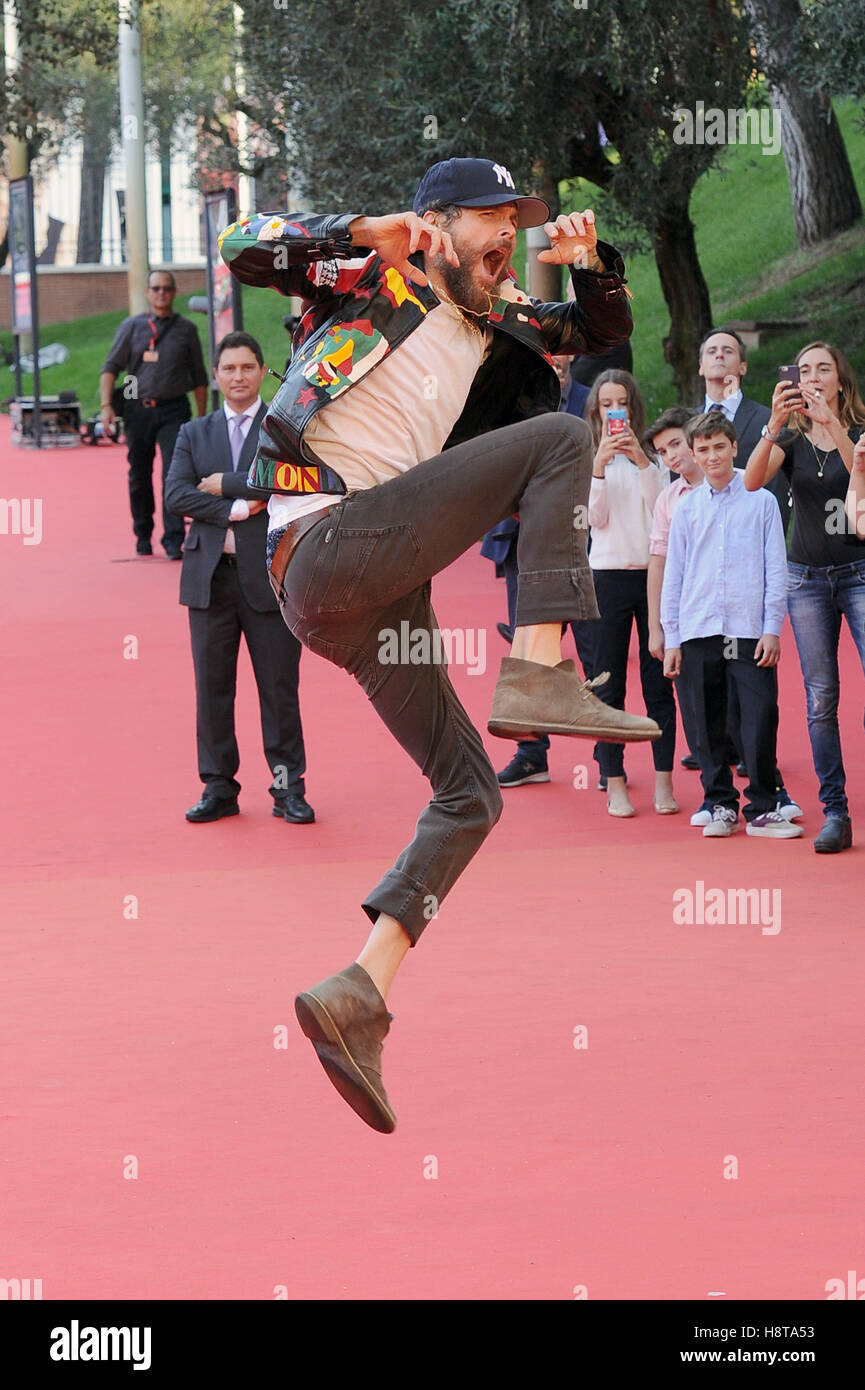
(764, 434)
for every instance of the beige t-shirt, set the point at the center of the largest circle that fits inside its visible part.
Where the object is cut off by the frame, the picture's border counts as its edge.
(399, 414)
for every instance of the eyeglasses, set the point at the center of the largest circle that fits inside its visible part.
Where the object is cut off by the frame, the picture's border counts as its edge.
(162, 289)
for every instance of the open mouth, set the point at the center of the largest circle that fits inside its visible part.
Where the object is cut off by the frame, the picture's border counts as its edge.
(495, 263)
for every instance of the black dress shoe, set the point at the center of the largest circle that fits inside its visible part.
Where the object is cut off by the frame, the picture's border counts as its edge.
(143, 547)
(690, 762)
(504, 631)
(741, 770)
(212, 807)
(837, 834)
(175, 553)
(294, 808)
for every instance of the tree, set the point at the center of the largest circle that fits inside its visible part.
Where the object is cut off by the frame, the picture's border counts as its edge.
(822, 188)
(63, 90)
(188, 52)
(554, 91)
(830, 47)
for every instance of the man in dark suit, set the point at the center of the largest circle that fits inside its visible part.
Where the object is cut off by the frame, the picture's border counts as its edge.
(723, 364)
(224, 585)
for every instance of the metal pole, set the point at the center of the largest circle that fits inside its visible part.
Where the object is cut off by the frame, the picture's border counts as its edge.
(132, 134)
(16, 154)
(34, 318)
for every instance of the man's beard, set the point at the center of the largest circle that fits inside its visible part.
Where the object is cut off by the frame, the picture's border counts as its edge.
(461, 285)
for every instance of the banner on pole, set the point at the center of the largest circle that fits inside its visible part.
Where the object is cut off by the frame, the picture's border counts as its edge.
(21, 254)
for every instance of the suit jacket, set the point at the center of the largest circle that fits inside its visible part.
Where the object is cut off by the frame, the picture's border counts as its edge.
(748, 422)
(202, 448)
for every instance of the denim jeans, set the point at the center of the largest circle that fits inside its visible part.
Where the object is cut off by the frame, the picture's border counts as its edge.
(816, 601)
(364, 571)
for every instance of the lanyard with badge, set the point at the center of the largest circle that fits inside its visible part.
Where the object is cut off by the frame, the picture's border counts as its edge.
(151, 352)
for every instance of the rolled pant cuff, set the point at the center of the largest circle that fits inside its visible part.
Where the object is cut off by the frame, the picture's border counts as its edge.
(551, 596)
(412, 904)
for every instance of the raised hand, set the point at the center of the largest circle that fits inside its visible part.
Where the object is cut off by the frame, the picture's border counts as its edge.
(785, 398)
(629, 445)
(398, 236)
(574, 240)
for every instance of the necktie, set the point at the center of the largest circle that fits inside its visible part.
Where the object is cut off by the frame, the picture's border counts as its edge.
(237, 423)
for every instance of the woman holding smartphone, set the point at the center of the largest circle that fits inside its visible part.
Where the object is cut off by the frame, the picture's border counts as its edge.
(826, 562)
(625, 487)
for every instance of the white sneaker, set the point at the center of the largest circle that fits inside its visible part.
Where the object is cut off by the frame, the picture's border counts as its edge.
(790, 811)
(701, 817)
(774, 824)
(725, 821)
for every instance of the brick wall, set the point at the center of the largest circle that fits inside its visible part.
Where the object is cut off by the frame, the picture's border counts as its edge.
(73, 292)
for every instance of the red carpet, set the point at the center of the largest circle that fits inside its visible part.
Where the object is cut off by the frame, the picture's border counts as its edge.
(149, 967)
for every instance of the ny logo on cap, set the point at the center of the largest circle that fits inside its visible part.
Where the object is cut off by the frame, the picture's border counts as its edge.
(503, 175)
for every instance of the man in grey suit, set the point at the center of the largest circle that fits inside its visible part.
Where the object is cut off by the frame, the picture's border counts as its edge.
(224, 585)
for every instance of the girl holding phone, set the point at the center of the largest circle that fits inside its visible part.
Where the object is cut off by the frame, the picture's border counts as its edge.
(826, 563)
(625, 486)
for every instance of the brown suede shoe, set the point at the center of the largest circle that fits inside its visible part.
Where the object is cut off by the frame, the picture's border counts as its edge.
(346, 1020)
(534, 699)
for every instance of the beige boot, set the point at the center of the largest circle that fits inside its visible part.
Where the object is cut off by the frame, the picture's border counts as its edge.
(346, 1020)
(534, 699)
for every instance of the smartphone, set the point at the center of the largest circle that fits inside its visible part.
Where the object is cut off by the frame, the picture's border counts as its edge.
(617, 421)
(790, 374)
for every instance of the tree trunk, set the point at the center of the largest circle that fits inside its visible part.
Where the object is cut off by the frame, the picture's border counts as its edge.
(90, 206)
(543, 280)
(822, 190)
(686, 295)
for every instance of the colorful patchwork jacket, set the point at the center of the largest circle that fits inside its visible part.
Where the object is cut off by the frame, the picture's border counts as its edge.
(358, 309)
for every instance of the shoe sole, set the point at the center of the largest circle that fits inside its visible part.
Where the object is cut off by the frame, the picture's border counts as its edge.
(719, 834)
(503, 728)
(342, 1070)
(524, 781)
(790, 833)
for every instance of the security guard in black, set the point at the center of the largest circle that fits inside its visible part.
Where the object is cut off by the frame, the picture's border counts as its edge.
(160, 352)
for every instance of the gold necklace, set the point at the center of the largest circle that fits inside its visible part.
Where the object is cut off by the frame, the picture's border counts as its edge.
(821, 463)
(462, 310)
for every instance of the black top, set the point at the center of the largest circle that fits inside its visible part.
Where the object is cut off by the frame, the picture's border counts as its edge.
(180, 367)
(821, 533)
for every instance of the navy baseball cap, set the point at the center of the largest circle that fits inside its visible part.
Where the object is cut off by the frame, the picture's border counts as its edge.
(477, 183)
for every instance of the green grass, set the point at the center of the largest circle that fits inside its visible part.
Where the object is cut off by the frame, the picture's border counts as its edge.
(747, 250)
